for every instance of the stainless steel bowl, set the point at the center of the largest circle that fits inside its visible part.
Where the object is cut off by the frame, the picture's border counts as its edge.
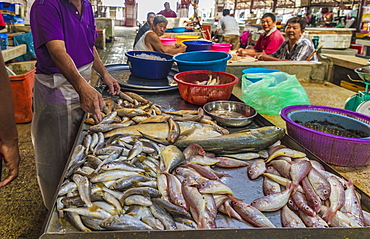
(363, 73)
(230, 113)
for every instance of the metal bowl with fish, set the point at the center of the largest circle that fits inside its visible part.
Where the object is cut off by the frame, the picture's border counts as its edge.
(230, 113)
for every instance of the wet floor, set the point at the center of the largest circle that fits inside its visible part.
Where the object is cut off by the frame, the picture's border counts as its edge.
(22, 213)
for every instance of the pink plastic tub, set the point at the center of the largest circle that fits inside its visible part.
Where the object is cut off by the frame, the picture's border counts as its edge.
(225, 47)
(168, 41)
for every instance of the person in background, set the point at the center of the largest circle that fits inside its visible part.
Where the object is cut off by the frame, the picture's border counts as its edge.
(149, 22)
(150, 40)
(196, 21)
(9, 150)
(64, 34)
(296, 48)
(230, 28)
(167, 12)
(269, 41)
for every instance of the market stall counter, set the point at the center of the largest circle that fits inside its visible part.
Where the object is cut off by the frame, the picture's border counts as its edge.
(239, 183)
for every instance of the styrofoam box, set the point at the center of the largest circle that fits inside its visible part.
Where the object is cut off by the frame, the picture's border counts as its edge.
(331, 37)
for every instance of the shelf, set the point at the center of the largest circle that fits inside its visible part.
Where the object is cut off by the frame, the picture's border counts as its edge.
(14, 52)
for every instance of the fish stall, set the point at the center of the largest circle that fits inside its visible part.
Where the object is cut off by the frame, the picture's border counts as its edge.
(237, 191)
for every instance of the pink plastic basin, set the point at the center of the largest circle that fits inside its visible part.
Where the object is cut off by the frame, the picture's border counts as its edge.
(168, 41)
(225, 47)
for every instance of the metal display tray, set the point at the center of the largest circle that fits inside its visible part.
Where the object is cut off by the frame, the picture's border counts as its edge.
(241, 185)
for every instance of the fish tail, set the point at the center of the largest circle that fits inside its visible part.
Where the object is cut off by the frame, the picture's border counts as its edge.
(329, 215)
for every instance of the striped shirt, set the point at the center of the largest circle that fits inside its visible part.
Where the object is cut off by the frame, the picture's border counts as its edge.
(229, 25)
(300, 51)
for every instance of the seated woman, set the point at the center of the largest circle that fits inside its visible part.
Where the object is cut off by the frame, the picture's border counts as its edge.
(150, 41)
(269, 41)
(296, 48)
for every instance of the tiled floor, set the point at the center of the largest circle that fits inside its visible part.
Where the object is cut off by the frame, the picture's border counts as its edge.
(22, 213)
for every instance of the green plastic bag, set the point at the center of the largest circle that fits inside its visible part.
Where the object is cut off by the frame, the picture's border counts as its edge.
(269, 93)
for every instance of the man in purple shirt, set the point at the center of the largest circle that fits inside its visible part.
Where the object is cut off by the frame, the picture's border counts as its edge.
(64, 34)
(167, 12)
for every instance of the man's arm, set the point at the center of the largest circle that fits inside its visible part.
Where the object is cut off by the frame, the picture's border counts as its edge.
(8, 130)
(157, 45)
(91, 100)
(114, 87)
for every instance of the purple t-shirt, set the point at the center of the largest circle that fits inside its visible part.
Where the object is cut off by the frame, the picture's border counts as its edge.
(59, 20)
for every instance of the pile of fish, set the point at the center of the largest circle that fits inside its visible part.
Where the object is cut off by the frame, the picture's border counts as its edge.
(306, 194)
(144, 169)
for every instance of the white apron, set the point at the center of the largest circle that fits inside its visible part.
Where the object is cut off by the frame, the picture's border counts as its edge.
(55, 124)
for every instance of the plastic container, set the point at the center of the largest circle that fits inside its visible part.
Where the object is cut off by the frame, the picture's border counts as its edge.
(22, 89)
(147, 68)
(254, 71)
(320, 129)
(178, 29)
(202, 94)
(225, 47)
(202, 60)
(4, 41)
(198, 45)
(168, 41)
(181, 38)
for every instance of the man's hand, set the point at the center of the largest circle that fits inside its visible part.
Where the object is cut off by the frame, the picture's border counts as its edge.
(113, 85)
(91, 101)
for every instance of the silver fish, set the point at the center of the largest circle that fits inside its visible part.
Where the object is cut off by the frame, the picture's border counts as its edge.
(114, 201)
(163, 216)
(124, 222)
(138, 200)
(76, 221)
(84, 211)
(84, 189)
(340, 219)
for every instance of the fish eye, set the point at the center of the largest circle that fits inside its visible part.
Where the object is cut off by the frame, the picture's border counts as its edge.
(315, 201)
(307, 208)
(250, 171)
(326, 192)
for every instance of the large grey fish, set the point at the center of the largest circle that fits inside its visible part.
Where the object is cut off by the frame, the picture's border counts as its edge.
(124, 222)
(171, 156)
(242, 141)
(160, 130)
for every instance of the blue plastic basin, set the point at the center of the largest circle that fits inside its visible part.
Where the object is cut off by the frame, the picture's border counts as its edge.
(256, 70)
(197, 45)
(150, 69)
(178, 29)
(202, 60)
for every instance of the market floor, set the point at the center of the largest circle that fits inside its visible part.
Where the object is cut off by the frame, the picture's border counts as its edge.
(22, 213)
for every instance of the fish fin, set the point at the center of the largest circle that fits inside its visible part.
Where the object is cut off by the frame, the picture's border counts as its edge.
(93, 208)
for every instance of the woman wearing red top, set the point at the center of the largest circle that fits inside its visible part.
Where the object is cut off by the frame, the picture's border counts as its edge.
(269, 41)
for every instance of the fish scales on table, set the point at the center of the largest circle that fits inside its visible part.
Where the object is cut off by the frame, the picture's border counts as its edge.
(156, 173)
